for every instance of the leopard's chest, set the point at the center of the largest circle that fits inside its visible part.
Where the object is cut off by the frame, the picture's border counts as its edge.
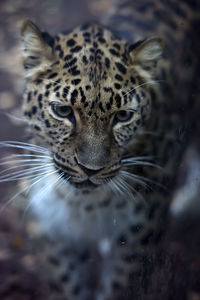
(92, 218)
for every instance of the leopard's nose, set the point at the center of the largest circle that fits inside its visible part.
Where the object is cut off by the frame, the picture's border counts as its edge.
(88, 171)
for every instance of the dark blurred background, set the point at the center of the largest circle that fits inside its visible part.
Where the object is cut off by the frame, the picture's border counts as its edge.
(21, 272)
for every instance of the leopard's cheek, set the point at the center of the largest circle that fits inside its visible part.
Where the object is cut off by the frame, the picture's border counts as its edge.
(125, 133)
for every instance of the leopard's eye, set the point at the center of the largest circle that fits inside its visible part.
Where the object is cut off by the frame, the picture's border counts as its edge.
(123, 115)
(62, 111)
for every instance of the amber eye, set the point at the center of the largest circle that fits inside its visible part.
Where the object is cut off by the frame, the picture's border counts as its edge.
(62, 111)
(123, 115)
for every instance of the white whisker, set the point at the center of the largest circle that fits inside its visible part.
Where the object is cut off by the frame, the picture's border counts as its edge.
(27, 189)
(41, 193)
(144, 83)
(62, 181)
(12, 117)
(25, 165)
(124, 187)
(114, 187)
(134, 190)
(19, 161)
(141, 163)
(18, 178)
(22, 175)
(135, 177)
(26, 170)
(27, 155)
(138, 158)
(25, 146)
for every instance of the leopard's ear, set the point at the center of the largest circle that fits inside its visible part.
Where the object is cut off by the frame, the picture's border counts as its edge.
(37, 50)
(145, 54)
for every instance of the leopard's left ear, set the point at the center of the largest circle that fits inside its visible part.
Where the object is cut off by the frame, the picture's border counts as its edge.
(37, 50)
(145, 54)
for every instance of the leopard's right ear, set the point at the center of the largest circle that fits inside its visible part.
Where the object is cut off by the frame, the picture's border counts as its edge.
(37, 50)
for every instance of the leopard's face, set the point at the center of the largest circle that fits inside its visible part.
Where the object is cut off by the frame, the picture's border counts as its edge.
(87, 97)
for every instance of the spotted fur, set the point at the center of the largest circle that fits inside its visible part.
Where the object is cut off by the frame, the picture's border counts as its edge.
(79, 87)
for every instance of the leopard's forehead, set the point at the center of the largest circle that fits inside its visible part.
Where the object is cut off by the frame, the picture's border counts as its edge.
(94, 50)
(92, 72)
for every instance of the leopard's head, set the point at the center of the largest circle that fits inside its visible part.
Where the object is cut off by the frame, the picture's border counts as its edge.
(86, 96)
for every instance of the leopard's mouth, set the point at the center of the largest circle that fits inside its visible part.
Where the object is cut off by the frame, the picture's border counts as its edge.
(85, 181)
(87, 184)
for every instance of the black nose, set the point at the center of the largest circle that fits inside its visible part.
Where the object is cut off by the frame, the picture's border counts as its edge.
(87, 171)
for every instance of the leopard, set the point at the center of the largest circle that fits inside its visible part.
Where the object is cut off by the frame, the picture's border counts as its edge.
(107, 104)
